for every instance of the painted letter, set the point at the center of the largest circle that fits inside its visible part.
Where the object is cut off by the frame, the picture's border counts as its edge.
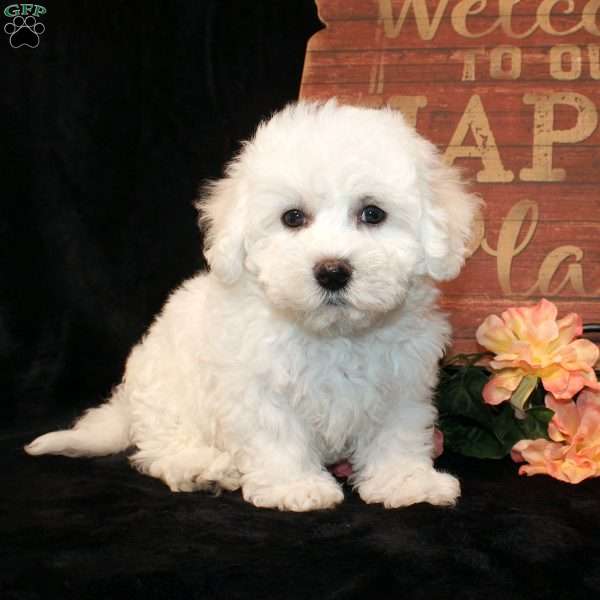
(508, 246)
(475, 120)
(590, 17)
(544, 12)
(497, 56)
(469, 58)
(545, 135)
(12, 10)
(427, 28)
(557, 53)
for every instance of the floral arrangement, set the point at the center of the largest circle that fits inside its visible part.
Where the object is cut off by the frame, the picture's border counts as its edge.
(533, 395)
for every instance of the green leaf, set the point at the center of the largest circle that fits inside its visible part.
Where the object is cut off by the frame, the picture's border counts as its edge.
(535, 425)
(473, 428)
(468, 438)
(459, 394)
(467, 423)
(506, 427)
(538, 396)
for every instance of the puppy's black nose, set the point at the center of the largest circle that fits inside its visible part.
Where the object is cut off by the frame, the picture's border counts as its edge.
(333, 274)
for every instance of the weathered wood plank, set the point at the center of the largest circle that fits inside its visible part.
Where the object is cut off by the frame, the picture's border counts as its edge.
(509, 91)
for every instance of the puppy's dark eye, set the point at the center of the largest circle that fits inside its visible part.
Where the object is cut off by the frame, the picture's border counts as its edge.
(372, 215)
(293, 218)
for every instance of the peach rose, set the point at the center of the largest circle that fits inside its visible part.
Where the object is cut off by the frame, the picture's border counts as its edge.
(573, 454)
(530, 344)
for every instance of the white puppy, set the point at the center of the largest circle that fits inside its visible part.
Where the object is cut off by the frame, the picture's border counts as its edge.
(314, 337)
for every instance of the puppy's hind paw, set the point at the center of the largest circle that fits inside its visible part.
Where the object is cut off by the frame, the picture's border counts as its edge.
(193, 469)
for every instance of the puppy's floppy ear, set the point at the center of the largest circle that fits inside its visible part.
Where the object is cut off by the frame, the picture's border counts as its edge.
(448, 216)
(223, 218)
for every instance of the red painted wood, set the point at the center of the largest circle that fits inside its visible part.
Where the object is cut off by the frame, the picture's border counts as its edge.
(367, 55)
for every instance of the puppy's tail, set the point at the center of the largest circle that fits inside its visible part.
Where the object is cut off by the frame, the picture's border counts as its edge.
(100, 431)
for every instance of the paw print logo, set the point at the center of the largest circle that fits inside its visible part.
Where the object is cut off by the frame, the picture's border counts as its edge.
(24, 31)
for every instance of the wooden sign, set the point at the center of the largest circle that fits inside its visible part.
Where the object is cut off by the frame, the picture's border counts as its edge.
(509, 90)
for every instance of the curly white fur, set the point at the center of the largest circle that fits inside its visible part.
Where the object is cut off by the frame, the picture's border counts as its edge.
(253, 376)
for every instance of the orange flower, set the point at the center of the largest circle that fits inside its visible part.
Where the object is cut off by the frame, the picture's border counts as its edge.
(574, 452)
(530, 344)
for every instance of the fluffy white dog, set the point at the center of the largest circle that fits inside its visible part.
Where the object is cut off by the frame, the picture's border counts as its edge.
(314, 337)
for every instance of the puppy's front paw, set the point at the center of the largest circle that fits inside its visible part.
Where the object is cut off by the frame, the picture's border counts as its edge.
(311, 493)
(403, 489)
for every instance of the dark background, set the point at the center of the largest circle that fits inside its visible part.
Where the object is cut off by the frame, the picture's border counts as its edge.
(111, 124)
(108, 128)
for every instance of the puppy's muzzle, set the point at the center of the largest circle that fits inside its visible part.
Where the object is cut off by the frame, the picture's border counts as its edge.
(333, 274)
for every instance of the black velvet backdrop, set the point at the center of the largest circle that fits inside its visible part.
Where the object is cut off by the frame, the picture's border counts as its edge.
(109, 125)
(112, 123)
